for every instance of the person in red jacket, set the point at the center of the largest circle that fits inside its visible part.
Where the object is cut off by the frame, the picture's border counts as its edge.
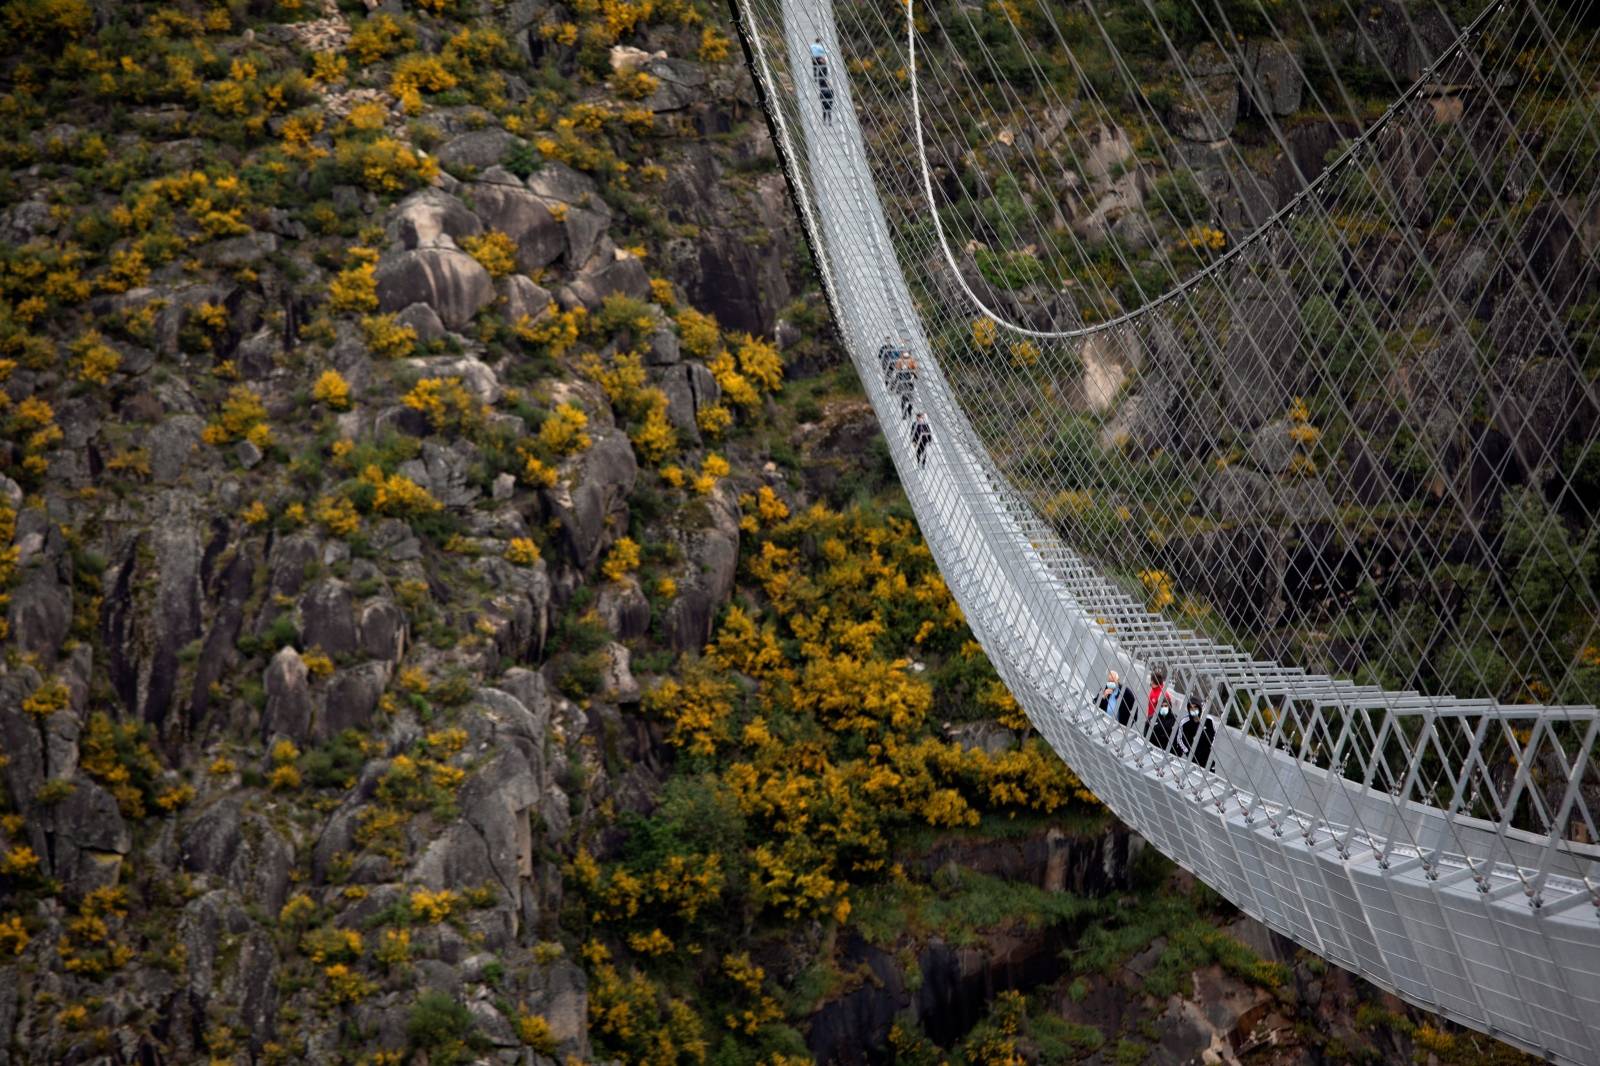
(1158, 694)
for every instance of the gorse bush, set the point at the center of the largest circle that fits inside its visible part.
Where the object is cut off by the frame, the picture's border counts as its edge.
(806, 746)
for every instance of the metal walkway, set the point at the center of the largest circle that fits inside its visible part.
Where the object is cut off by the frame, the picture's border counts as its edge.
(1312, 815)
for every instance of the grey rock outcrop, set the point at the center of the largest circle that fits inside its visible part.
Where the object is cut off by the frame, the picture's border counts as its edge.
(682, 84)
(594, 497)
(522, 216)
(90, 838)
(431, 218)
(1208, 106)
(450, 281)
(144, 630)
(327, 619)
(289, 709)
(712, 552)
(478, 149)
(352, 698)
(1273, 84)
(444, 472)
(382, 629)
(523, 297)
(617, 275)
(1257, 379)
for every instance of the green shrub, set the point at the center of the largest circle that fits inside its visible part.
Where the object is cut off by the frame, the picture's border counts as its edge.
(442, 1027)
(337, 763)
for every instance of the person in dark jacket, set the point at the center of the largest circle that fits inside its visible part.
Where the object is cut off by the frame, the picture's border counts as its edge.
(887, 354)
(1163, 726)
(921, 435)
(1197, 732)
(1117, 699)
(825, 94)
(905, 383)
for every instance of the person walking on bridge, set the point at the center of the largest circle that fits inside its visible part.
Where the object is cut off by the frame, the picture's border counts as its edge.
(887, 355)
(1117, 699)
(921, 437)
(825, 94)
(1158, 696)
(1197, 733)
(905, 383)
(819, 59)
(1163, 726)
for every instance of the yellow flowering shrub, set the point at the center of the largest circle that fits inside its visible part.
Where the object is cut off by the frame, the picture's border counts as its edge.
(534, 1031)
(538, 473)
(338, 516)
(332, 389)
(416, 74)
(697, 710)
(494, 251)
(433, 907)
(14, 936)
(522, 552)
(446, 403)
(699, 333)
(117, 754)
(356, 288)
(377, 37)
(555, 331)
(394, 948)
(96, 360)
(398, 495)
(984, 333)
(564, 430)
(654, 438)
(760, 362)
(635, 85)
(714, 46)
(713, 419)
(655, 942)
(243, 417)
(47, 699)
(19, 861)
(622, 560)
(387, 337)
(734, 384)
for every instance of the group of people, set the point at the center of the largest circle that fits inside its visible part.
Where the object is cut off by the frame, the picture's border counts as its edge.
(819, 72)
(1192, 737)
(896, 362)
(899, 369)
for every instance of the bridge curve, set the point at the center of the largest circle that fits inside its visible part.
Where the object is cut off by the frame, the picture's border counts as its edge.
(1311, 815)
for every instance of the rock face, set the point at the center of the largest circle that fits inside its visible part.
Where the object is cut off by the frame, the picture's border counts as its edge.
(1273, 84)
(1209, 105)
(154, 607)
(289, 708)
(90, 838)
(432, 218)
(448, 280)
(478, 150)
(739, 280)
(525, 218)
(621, 275)
(1256, 380)
(712, 551)
(597, 493)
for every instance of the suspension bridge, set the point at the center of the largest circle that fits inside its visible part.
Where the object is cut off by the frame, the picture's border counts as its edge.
(1424, 820)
